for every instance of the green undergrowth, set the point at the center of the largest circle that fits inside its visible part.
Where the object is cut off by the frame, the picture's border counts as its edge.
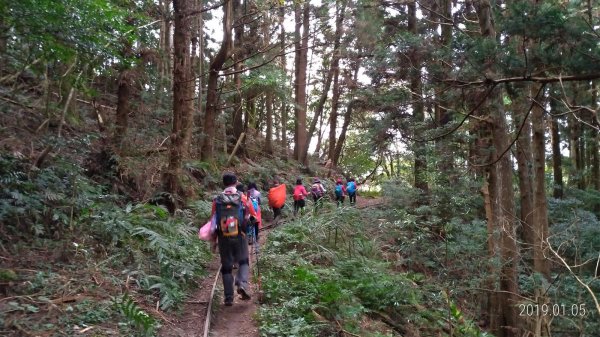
(335, 271)
(446, 239)
(77, 259)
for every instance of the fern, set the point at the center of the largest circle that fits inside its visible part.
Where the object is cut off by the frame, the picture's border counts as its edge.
(170, 291)
(135, 316)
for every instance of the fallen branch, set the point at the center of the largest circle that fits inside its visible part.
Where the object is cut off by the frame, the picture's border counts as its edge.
(68, 299)
(237, 145)
(16, 103)
(387, 320)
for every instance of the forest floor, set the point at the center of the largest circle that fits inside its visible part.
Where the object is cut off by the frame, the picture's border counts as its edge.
(237, 320)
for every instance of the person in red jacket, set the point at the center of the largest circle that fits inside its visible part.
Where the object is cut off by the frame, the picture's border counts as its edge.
(300, 194)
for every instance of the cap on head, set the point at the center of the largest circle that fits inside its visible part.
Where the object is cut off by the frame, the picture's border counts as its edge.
(316, 180)
(229, 179)
(339, 181)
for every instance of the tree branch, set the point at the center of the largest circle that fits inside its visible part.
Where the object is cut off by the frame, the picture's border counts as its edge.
(539, 79)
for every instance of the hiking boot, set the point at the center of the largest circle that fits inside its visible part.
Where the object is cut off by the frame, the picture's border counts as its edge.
(229, 301)
(242, 291)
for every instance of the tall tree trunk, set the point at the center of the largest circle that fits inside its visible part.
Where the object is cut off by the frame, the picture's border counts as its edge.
(238, 56)
(524, 159)
(575, 176)
(594, 142)
(558, 189)
(340, 142)
(196, 36)
(347, 118)
(268, 101)
(333, 68)
(165, 48)
(540, 206)
(260, 121)
(420, 165)
(213, 77)
(445, 150)
(269, 118)
(335, 102)
(123, 107)
(319, 137)
(284, 112)
(124, 93)
(182, 89)
(3, 38)
(504, 218)
(503, 208)
(199, 71)
(493, 297)
(301, 63)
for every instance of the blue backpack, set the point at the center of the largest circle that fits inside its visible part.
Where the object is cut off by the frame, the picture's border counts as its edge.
(351, 187)
(254, 203)
(338, 190)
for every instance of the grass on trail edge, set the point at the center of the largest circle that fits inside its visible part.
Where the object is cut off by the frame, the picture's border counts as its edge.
(327, 273)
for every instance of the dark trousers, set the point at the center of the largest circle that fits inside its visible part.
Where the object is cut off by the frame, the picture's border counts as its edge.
(352, 197)
(276, 212)
(340, 199)
(233, 250)
(299, 205)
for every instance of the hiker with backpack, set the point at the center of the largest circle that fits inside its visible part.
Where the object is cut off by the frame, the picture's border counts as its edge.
(351, 190)
(318, 191)
(340, 192)
(254, 198)
(230, 213)
(276, 196)
(300, 194)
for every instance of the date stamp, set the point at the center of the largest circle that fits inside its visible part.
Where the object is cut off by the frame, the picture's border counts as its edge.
(549, 309)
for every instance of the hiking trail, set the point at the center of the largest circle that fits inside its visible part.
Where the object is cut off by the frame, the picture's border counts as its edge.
(237, 320)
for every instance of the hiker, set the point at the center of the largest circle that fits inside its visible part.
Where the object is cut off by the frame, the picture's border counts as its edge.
(351, 190)
(318, 191)
(230, 212)
(340, 192)
(277, 195)
(299, 195)
(254, 198)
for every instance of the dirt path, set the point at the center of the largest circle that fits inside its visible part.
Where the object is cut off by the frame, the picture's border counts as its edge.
(191, 322)
(368, 202)
(237, 320)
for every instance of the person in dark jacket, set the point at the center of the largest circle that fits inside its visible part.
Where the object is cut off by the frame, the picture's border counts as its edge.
(231, 212)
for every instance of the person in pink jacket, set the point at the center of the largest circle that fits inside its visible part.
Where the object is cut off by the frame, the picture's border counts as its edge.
(300, 194)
